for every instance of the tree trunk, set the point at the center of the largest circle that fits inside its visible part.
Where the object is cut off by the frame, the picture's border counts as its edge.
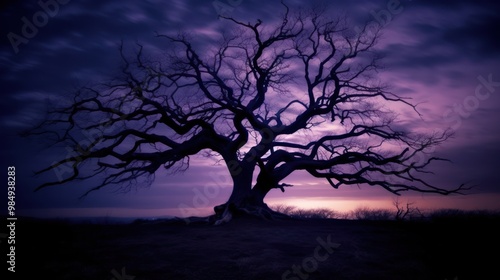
(245, 201)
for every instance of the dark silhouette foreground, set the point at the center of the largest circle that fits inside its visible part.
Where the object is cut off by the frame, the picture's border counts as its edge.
(444, 247)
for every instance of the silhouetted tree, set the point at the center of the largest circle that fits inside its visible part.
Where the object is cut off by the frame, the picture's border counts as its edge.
(271, 99)
(407, 211)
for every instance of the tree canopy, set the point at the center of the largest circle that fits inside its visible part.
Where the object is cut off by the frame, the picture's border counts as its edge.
(299, 94)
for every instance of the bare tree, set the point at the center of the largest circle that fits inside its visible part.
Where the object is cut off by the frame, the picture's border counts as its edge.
(269, 99)
(407, 211)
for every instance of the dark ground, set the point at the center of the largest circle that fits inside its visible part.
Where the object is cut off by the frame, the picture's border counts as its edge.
(451, 248)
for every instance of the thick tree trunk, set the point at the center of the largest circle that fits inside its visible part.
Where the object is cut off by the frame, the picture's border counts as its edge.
(245, 202)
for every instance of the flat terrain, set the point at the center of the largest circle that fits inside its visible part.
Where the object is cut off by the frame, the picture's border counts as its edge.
(451, 248)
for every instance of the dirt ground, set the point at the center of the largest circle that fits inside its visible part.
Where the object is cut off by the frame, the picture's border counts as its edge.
(254, 249)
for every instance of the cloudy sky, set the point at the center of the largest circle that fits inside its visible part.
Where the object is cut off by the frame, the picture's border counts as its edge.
(443, 54)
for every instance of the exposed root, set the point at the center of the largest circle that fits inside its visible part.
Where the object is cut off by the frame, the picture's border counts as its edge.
(226, 212)
(225, 217)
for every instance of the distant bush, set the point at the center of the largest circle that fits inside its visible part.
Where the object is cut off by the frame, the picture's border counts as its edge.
(318, 213)
(402, 212)
(456, 214)
(284, 209)
(365, 213)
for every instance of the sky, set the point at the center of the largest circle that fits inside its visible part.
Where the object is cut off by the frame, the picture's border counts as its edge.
(445, 55)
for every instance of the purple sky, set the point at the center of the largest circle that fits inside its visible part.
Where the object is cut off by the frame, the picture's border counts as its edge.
(444, 56)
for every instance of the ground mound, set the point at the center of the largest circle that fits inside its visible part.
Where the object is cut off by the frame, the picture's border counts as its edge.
(247, 248)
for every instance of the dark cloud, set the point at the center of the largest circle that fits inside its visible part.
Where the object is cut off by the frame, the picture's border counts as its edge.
(456, 4)
(444, 33)
(478, 37)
